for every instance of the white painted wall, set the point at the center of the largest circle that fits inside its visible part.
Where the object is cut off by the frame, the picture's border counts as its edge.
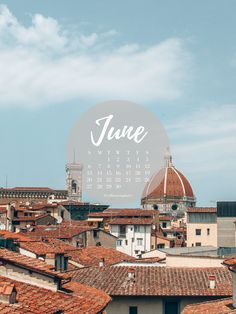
(27, 253)
(130, 242)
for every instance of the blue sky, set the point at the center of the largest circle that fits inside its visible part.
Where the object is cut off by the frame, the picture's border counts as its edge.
(176, 58)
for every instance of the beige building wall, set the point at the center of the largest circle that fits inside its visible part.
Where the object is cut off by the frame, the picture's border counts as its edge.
(226, 231)
(148, 305)
(30, 277)
(156, 240)
(193, 261)
(106, 240)
(204, 238)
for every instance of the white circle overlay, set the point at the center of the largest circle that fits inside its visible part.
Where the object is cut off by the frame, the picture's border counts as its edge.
(120, 145)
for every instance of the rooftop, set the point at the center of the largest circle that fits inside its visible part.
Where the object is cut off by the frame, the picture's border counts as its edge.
(124, 212)
(33, 218)
(13, 235)
(131, 221)
(57, 231)
(211, 307)
(165, 218)
(41, 248)
(202, 210)
(30, 263)
(79, 299)
(156, 281)
(230, 261)
(59, 244)
(208, 251)
(91, 256)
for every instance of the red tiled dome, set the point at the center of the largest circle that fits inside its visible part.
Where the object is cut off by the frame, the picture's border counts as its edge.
(168, 183)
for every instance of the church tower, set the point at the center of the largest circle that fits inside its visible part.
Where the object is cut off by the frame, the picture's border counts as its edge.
(74, 181)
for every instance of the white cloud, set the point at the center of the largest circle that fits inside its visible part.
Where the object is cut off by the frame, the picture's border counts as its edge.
(46, 63)
(205, 141)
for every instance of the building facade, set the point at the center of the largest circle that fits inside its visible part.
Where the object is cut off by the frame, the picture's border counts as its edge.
(133, 235)
(202, 226)
(226, 217)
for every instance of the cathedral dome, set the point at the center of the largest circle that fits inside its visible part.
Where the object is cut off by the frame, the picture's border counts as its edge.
(168, 185)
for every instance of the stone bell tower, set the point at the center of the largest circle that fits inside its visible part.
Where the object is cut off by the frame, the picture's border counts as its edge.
(74, 181)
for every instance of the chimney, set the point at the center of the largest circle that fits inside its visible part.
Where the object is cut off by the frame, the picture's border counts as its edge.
(212, 281)
(101, 262)
(7, 293)
(131, 273)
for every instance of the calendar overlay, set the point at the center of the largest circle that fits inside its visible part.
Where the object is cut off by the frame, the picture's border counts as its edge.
(120, 145)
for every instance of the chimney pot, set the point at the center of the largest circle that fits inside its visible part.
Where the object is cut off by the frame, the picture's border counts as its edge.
(101, 262)
(212, 282)
(131, 273)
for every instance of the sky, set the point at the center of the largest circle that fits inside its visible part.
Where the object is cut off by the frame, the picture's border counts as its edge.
(178, 59)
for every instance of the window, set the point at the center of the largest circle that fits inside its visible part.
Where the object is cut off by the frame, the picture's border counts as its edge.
(137, 228)
(95, 233)
(139, 241)
(119, 243)
(198, 232)
(198, 244)
(122, 231)
(126, 242)
(208, 231)
(171, 307)
(133, 310)
(160, 246)
(73, 187)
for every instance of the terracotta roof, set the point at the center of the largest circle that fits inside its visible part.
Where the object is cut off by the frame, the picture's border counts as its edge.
(14, 235)
(32, 218)
(230, 261)
(222, 306)
(157, 281)
(70, 203)
(202, 210)
(57, 231)
(79, 299)
(131, 221)
(125, 212)
(149, 260)
(40, 248)
(91, 256)
(30, 263)
(165, 218)
(59, 244)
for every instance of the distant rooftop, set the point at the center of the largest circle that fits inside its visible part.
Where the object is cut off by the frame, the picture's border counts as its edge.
(209, 251)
